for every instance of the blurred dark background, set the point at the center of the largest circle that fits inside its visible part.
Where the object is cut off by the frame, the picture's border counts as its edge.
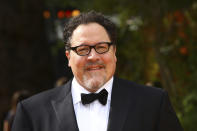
(156, 46)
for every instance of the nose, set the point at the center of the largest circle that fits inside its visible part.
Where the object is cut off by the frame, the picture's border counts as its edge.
(93, 55)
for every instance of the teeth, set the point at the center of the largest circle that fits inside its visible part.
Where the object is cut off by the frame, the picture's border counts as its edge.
(94, 68)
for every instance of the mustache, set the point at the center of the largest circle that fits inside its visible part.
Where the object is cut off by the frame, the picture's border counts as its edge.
(97, 63)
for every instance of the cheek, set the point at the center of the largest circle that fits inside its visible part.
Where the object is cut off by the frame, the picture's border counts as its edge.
(76, 63)
(111, 62)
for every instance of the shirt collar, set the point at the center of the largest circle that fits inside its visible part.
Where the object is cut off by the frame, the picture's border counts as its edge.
(77, 89)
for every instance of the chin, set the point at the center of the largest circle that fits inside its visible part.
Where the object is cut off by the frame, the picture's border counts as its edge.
(94, 81)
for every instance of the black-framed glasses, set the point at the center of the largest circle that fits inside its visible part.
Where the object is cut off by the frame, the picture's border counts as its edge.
(100, 48)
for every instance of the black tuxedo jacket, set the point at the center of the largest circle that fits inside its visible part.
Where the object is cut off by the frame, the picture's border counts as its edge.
(133, 108)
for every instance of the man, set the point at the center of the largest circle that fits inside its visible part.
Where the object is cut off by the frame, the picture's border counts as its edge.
(95, 100)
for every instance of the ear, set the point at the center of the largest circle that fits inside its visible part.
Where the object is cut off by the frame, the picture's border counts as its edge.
(115, 53)
(67, 53)
(115, 49)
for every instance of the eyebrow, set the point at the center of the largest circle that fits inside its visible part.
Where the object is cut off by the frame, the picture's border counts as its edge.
(87, 43)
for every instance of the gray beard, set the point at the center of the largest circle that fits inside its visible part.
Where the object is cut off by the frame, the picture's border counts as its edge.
(94, 81)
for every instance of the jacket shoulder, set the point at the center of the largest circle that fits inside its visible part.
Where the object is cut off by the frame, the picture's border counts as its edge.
(142, 90)
(45, 97)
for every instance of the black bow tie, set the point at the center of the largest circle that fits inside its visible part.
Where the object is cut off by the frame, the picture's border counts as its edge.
(101, 96)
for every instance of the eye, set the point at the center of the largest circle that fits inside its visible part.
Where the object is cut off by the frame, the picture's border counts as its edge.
(82, 49)
(102, 47)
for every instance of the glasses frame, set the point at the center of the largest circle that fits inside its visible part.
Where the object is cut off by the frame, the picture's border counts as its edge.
(90, 48)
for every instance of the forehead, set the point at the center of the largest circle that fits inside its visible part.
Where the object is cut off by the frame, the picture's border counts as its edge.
(89, 34)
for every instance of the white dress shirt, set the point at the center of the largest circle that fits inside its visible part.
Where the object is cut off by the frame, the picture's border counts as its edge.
(93, 116)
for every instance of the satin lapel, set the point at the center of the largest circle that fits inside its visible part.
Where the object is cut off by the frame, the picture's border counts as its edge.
(120, 101)
(64, 110)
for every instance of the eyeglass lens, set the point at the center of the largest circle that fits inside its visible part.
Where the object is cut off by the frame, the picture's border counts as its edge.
(99, 48)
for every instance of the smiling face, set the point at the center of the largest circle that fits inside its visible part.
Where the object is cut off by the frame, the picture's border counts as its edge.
(94, 70)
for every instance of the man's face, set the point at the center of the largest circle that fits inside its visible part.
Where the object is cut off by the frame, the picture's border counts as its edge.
(93, 70)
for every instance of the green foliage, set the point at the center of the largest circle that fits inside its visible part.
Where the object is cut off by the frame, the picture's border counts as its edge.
(189, 118)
